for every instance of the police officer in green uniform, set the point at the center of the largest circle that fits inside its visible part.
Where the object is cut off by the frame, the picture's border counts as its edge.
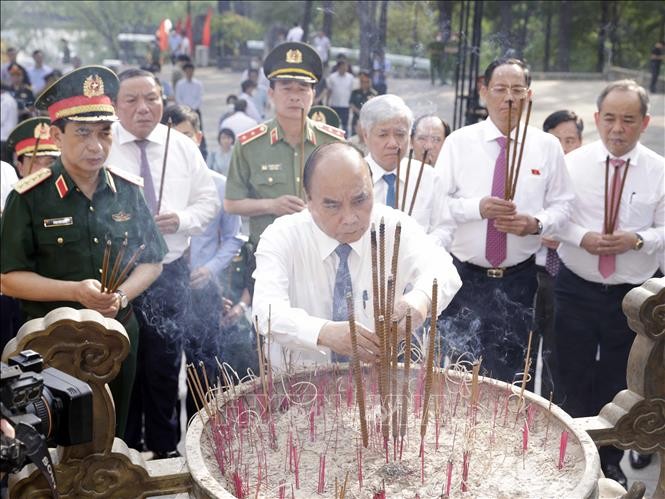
(57, 221)
(264, 180)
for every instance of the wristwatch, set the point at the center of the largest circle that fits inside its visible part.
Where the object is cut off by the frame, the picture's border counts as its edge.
(639, 243)
(539, 230)
(124, 301)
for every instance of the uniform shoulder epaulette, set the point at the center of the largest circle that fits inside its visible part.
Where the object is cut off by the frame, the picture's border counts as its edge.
(330, 130)
(125, 175)
(27, 183)
(252, 134)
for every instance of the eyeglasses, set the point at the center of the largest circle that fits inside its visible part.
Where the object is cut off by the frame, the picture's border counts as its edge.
(429, 138)
(516, 92)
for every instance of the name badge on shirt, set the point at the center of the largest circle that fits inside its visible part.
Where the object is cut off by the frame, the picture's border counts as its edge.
(121, 216)
(271, 168)
(58, 222)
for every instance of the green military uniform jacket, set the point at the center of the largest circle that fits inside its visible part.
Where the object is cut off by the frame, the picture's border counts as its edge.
(265, 166)
(51, 228)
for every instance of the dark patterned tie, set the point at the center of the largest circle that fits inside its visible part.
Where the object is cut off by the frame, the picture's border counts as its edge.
(148, 185)
(340, 310)
(552, 262)
(389, 178)
(495, 242)
(607, 263)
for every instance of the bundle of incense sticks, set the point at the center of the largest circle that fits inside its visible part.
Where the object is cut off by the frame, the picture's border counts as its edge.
(429, 365)
(514, 163)
(612, 198)
(112, 280)
(355, 363)
(420, 176)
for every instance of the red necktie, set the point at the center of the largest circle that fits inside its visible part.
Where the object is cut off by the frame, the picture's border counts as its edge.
(607, 263)
(495, 242)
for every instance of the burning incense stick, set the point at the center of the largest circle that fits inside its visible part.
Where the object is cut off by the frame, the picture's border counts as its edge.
(105, 266)
(394, 262)
(420, 176)
(375, 279)
(511, 164)
(405, 380)
(169, 124)
(382, 266)
(355, 363)
(118, 261)
(127, 268)
(35, 149)
(516, 172)
(302, 149)
(506, 181)
(429, 368)
(406, 180)
(399, 160)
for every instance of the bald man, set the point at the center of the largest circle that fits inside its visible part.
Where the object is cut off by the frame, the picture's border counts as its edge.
(304, 259)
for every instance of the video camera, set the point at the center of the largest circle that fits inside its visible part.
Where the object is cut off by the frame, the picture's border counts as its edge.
(46, 407)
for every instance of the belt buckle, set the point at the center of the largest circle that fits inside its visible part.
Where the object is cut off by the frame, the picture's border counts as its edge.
(495, 273)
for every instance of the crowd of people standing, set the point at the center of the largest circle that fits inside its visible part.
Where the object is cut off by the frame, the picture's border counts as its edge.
(498, 249)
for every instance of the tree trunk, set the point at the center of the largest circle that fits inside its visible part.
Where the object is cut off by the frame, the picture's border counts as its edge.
(548, 36)
(602, 35)
(565, 34)
(505, 26)
(383, 27)
(328, 18)
(445, 9)
(614, 35)
(366, 29)
(524, 31)
(306, 20)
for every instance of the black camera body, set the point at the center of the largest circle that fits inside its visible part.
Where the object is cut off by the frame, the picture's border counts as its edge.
(46, 407)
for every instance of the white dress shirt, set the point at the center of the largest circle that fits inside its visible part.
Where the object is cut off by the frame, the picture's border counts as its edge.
(641, 210)
(8, 113)
(340, 87)
(189, 93)
(8, 178)
(429, 207)
(189, 190)
(238, 122)
(296, 265)
(466, 165)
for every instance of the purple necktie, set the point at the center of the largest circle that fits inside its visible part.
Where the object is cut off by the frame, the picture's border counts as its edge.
(148, 185)
(495, 243)
(607, 263)
(552, 262)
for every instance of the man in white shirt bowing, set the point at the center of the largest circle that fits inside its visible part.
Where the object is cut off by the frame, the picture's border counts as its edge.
(495, 238)
(386, 123)
(306, 261)
(183, 208)
(607, 249)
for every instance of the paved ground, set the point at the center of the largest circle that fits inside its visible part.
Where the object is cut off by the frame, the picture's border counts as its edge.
(422, 97)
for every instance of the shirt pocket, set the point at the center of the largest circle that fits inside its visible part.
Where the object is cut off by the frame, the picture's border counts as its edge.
(530, 191)
(640, 209)
(60, 251)
(271, 184)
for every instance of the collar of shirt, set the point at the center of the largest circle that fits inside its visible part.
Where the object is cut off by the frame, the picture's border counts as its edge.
(158, 134)
(326, 245)
(633, 154)
(378, 172)
(491, 132)
(277, 132)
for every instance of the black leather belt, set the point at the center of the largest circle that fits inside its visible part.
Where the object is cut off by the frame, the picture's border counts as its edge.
(498, 272)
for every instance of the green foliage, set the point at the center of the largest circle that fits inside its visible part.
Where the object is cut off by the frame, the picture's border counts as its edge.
(234, 29)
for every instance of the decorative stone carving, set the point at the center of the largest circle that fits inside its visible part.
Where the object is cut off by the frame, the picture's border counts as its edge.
(90, 347)
(635, 419)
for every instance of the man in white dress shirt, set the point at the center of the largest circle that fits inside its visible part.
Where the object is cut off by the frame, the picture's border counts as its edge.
(189, 202)
(495, 239)
(386, 125)
(600, 266)
(299, 258)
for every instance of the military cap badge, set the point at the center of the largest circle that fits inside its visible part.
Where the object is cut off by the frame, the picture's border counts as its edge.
(294, 56)
(93, 86)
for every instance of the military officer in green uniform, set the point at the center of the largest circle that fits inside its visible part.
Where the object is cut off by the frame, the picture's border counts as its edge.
(31, 147)
(264, 180)
(58, 221)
